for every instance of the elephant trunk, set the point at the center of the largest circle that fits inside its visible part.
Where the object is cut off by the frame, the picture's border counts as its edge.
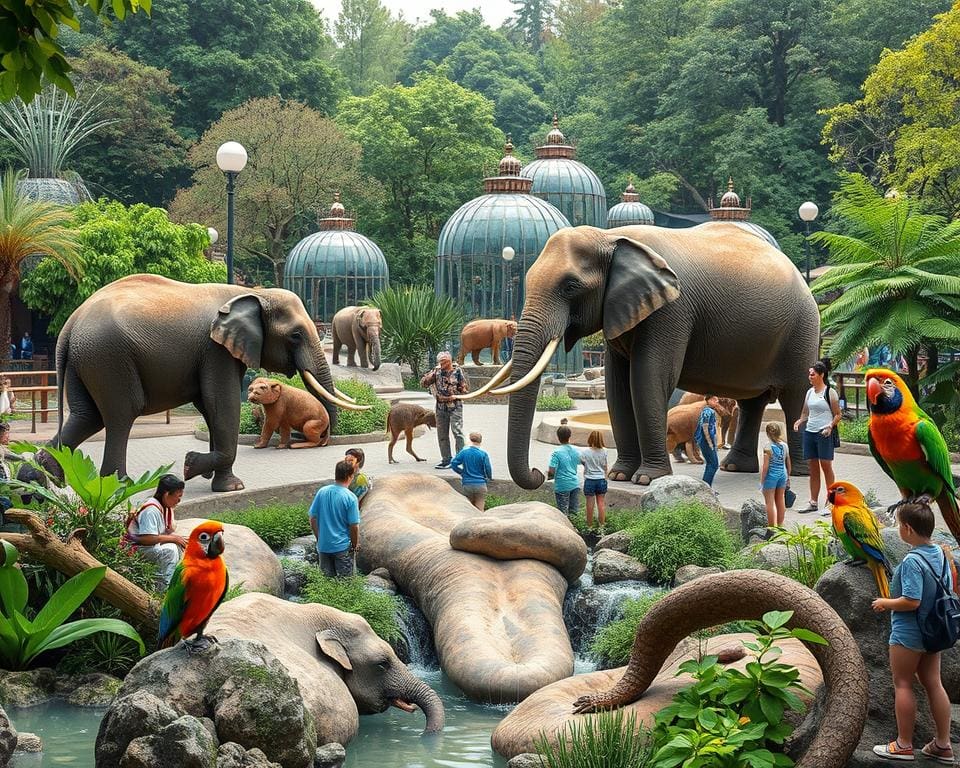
(316, 364)
(373, 338)
(426, 698)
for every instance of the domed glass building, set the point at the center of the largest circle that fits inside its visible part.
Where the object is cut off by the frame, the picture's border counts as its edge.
(629, 210)
(567, 183)
(731, 209)
(335, 267)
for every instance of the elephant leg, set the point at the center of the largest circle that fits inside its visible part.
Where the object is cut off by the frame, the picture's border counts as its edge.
(410, 444)
(198, 404)
(693, 452)
(361, 345)
(791, 400)
(351, 355)
(495, 351)
(620, 408)
(118, 421)
(475, 353)
(335, 358)
(461, 355)
(743, 456)
(84, 419)
(313, 432)
(221, 402)
(651, 381)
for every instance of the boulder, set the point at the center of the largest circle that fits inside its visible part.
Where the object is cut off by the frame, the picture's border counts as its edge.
(330, 755)
(753, 514)
(526, 760)
(27, 689)
(29, 742)
(618, 541)
(687, 573)
(893, 546)
(379, 584)
(8, 738)
(232, 755)
(670, 489)
(294, 581)
(239, 685)
(184, 743)
(610, 565)
(251, 562)
(772, 556)
(92, 690)
(590, 374)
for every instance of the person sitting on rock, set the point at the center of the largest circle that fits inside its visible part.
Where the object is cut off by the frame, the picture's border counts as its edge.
(150, 529)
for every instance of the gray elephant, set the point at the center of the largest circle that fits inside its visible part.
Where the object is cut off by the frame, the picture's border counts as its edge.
(343, 668)
(711, 309)
(358, 328)
(145, 344)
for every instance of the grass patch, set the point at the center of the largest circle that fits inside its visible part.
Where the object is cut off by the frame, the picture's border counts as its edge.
(605, 740)
(351, 595)
(617, 519)
(554, 403)
(276, 524)
(493, 500)
(361, 422)
(854, 431)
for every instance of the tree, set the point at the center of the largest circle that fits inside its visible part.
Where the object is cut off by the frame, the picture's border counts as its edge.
(30, 228)
(371, 44)
(298, 159)
(899, 270)
(114, 241)
(532, 21)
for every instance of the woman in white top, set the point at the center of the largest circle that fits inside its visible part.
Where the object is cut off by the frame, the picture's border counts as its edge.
(821, 412)
(594, 460)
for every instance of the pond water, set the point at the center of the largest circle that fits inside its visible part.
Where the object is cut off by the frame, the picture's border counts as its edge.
(68, 733)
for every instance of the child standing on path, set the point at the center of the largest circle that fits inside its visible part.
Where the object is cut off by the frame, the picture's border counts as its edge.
(473, 465)
(914, 588)
(594, 460)
(774, 476)
(564, 462)
(706, 437)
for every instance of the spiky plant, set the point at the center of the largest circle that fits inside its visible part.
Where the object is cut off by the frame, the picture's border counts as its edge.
(899, 273)
(29, 228)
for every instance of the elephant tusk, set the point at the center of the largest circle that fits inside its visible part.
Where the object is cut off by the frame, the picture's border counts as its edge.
(344, 396)
(310, 379)
(498, 377)
(534, 373)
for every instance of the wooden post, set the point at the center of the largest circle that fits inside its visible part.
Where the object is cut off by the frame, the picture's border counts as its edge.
(44, 381)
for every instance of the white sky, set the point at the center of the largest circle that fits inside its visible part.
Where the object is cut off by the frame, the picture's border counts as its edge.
(495, 12)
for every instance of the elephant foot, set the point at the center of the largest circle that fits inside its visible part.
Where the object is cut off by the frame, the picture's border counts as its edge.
(646, 475)
(226, 481)
(283, 446)
(193, 465)
(737, 461)
(621, 472)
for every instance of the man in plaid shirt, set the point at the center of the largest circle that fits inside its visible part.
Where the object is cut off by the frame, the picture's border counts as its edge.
(447, 379)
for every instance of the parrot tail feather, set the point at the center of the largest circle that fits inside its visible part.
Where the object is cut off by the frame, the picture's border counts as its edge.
(880, 576)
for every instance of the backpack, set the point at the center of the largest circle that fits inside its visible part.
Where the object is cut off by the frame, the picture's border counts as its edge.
(940, 626)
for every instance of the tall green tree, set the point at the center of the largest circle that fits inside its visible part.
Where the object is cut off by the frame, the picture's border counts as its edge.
(371, 44)
(532, 21)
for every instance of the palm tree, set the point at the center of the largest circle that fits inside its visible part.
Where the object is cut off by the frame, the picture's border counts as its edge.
(899, 273)
(29, 228)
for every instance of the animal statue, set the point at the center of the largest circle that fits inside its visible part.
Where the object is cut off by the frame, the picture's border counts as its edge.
(711, 308)
(478, 335)
(403, 417)
(908, 446)
(859, 532)
(729, 416)
(749, 594)
(359, 328)
(682, 426)
(199, 583)
(144, 344)
(287, 408)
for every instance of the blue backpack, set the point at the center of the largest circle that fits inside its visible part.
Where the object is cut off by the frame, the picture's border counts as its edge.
(940, 626)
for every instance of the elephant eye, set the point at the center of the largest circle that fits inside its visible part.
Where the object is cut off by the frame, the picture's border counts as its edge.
(296, 336)
(384, 665)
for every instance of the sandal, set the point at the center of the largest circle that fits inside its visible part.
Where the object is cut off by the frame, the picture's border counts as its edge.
(893, 751)
(940, 754)
(811, 507)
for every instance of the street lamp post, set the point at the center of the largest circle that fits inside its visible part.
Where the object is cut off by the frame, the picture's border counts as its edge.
(508, 253)
(808, 212)
(231, 159)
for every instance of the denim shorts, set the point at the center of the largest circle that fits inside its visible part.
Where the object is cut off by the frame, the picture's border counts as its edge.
(592, 487)
(907, 634)
(816, 446)
(775, 480)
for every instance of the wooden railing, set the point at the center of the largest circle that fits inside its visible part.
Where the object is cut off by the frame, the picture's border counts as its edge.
(33, 383)
(850, 387)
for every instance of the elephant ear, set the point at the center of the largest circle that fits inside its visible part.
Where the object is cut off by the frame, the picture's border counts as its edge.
(333, 649)
(639, 282)
(238, 326)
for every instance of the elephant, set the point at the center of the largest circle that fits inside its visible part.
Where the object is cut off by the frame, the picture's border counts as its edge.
(358, 328)
(477, 335)
(711, 308)
(491, 583)
(729, 416)
(144, 344)
(343, 668)
(403, 417)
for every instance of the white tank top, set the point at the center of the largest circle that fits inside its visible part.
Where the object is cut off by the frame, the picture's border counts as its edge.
(820, 415)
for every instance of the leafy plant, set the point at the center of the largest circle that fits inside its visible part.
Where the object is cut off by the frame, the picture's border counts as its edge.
(604, 740)
(351, 595)
(554, 403)
(249, 423)
(593, 341)
(276, 524)
(732, 719)
(22, 640)
(808, 549)
(361, 422)
(854, 431)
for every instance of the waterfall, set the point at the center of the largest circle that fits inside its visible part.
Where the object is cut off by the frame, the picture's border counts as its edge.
(417, 636)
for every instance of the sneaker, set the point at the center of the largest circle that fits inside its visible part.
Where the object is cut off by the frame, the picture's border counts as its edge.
(442, 465)
(893, 751)
(940, 754)
(826, 513)
(811, 507)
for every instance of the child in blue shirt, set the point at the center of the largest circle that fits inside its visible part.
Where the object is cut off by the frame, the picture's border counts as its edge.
(473, 465)
(706, 437)
(564, 462)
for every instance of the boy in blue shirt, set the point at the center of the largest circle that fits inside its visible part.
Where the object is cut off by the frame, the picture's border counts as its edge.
(564, 462)
(473, 465)
(706, 437)
(335, 520)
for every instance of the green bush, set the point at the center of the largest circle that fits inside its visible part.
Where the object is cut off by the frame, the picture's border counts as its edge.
(276, 524)
(351, 595)
(594, 341)
(361, 422)
(248, 422)
(493, 500)
(617, 519)
(554, 403)
(684, 533)
(854, 431)
(605, 740)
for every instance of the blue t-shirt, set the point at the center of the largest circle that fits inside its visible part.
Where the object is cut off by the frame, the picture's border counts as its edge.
(335, 509)
(912, 579)
(473, 465)
(565, 460)
(707, 424)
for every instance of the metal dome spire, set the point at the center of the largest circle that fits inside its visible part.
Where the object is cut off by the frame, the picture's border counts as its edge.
(556, 144)
(508, 178)
(337, 218)
(630, 194)
(730, 208)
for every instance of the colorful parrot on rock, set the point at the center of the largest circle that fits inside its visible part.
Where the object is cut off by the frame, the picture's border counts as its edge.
(908, 446)
(198, 586)
(859, 532)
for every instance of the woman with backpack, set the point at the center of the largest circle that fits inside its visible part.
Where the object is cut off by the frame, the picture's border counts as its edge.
(820, 415)
(923, 622)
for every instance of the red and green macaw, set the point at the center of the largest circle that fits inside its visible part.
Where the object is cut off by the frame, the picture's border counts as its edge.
(859, 531)
(908, 446)
(197, 588)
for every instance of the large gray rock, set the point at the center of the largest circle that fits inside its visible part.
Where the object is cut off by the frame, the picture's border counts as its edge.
(251, 562)
(526, 760)
(773, 556)
(27, 689)
(893, 546)
(753, 514)
(232, 755)
(8, 738)
(129, 717)
(687, 573)
(330, 755)
(29, 742)
(610, 565)
(670, 489)
(184, 743)
(618, 541)
(92, 690)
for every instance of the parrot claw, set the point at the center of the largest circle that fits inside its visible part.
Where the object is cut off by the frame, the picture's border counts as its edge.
(200, 643)
(855, 562)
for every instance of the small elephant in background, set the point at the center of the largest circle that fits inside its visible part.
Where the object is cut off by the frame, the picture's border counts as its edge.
(359, 328)
(728, 413)
(682, 426)
(477, 335)
(403, 417)
(287, 408)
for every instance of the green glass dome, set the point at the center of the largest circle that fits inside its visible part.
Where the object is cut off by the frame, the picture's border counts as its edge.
(629, 211)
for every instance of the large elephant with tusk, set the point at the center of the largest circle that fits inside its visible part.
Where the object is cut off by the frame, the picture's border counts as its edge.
(145, 344)
(709, 309)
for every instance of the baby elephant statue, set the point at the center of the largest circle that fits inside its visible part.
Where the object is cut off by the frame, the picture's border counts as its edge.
(287, 408)
(403, 417)
(358, 328)
(480, 334)
(682, 425)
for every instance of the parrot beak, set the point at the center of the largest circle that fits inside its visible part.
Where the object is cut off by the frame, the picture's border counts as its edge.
(832, 497)
(215, 547)
(874, 390)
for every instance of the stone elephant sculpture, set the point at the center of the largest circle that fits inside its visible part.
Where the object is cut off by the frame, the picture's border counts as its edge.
(710, 308)
(477, 335)
(729, 417)
(343, 668)
(490, 584)
(144, 344)
(359, 328)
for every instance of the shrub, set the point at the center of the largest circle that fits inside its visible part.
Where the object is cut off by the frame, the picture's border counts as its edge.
(854, 431)
(808, 550)
(248, 421)
(361, 422)
(276, 524)
(493, 500)
(685, 533)
(351, 595)
(605, 740)
(554, 403)
(617, 519)
(594, 341)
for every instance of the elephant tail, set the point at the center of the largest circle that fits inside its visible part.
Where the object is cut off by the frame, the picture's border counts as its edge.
(63, 352)
(748, 594)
